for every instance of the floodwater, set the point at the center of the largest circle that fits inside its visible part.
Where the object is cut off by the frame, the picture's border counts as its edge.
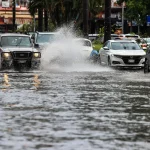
(74, 106)
(89, 108)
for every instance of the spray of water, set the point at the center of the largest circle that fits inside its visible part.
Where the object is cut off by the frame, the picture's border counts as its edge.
(64, 54)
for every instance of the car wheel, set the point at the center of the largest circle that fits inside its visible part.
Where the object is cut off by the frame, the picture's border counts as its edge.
(109, 62)
(146, 66)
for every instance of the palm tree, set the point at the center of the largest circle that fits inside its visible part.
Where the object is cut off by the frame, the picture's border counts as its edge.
(14, 15)
(38, 6)
(62, 11)
(107, 32)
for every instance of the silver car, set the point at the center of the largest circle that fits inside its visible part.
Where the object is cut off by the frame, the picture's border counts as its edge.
(42, 39)
(17, 50)
(122, 53)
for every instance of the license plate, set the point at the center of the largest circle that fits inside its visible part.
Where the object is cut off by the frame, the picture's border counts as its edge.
(21, 61)
(131, 60)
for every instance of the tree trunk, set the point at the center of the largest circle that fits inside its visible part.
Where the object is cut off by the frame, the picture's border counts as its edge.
(85, 18)
(14, 15)
(40, 19)
(131, 27)
(46, 20)
(107, 23)
(57, 15)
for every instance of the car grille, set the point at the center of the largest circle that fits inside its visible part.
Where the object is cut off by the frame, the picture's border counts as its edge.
(22, 55)
(135, 58)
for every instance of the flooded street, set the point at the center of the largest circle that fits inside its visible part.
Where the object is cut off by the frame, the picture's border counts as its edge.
(75, 109)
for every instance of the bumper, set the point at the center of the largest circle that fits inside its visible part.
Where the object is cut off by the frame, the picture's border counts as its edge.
(118, 62)
(32, 63)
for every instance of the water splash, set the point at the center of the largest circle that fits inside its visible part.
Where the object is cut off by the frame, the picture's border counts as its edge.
(63, 54)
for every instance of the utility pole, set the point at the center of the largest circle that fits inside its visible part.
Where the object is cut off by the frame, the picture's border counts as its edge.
(14, 15)
(85, 18)
(122, 17)
(107, 23)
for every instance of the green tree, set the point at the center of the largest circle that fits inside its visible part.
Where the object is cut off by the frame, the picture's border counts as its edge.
(136, 10)
(62, 11)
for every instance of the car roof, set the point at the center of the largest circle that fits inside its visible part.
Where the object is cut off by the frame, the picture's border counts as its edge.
(13, 34)
(122, 40)
(47, 32)
(147, 38)
(93, 34)
(132, 34)
(117, 34)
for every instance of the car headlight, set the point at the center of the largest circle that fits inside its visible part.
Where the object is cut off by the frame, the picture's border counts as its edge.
(118, 56)
(6, 55)
(37, 55)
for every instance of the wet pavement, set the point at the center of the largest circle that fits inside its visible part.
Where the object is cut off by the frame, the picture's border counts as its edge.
(102, 109)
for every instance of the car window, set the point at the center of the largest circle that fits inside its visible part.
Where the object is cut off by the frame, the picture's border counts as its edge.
(125, 46)
(84, 42)
(108, 45)
(87, 43)
(45, 38)
(105, 44)
(148, 40)
(16, 41)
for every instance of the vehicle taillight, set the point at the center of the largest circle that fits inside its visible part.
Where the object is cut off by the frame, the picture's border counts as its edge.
(144, 45)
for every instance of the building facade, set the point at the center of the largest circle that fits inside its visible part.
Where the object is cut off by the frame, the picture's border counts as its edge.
(6, 14)
(116, 18)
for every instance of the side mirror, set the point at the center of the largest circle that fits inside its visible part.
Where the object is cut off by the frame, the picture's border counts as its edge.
(33, 39)
(36, 45)
(105, 48)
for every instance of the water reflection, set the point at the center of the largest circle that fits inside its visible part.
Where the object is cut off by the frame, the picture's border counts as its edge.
(6, 83)
(36, 81)
(70, 111)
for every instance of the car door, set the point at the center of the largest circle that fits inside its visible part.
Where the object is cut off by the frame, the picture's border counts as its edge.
(104, 52)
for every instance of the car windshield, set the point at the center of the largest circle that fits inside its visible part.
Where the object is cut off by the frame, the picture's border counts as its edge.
(125, 46)
(148, 40)
(45, 38)
(16, 41)
(84, 42)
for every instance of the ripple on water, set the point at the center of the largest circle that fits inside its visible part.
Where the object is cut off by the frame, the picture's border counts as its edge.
(74, 110)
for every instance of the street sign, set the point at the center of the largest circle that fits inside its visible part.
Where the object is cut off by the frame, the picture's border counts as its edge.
(5, 3)
(148, 20)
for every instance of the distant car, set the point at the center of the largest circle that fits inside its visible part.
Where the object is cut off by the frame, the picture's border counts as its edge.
(41, 39)
(122, 53)
(143, 43)
(17, 50)
(147, 62)
(147, 40)
(93, 37)
(117, 36)
(132, 36)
